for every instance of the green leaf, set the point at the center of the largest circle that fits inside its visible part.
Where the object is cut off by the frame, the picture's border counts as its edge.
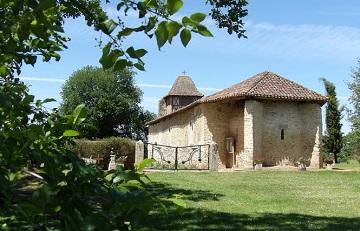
(161, 34)
(151, 3)
(70, 133)
(125, 32)
(105, 53)
(173, 29)
(121, 64)
(140, 52)
(174, 6)
(144, 163)
(204, 31)
(34, 23)
(109, 59)
(30, 60)
(109, 26)
(185, 36)
(48, 100)
(109, 177)
(136, 53)
(79, 114)
(139, 66)
(198, 17)
(131, 52)
(2, 70)
(189, 22)
(46, 4)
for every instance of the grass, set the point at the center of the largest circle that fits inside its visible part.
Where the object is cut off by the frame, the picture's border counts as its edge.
(349, 165)
(260, 200)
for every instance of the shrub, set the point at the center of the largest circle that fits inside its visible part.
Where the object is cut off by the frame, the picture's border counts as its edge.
(329, 160)
(123, 148)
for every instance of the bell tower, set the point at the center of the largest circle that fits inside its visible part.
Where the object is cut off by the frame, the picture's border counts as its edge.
(182, 93)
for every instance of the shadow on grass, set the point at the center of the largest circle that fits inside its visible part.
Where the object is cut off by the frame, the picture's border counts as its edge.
(167, 191)
(196, 219)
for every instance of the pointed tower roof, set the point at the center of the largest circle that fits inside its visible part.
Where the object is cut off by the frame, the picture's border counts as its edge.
(267, 85)
(184, 86)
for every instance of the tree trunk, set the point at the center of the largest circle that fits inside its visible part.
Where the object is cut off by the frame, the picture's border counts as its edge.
(335, 158)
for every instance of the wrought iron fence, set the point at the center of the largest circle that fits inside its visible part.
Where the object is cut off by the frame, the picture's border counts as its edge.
(179, 157)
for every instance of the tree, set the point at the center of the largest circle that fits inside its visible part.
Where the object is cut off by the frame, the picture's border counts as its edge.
(354, 113)
(112, 101)
(333, 140)
(350, 149)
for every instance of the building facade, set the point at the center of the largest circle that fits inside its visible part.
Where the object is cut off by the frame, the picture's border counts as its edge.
(266, 118)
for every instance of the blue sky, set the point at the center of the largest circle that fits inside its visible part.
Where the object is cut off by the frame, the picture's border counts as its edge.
(300, 40)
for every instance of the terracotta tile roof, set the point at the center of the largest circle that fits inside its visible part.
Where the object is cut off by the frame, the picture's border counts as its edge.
(184, 86)
(265, 85)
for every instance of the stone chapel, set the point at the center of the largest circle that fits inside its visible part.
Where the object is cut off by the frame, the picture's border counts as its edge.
(266, 117)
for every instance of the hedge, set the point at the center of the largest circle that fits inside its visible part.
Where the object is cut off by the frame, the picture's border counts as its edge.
(123, 148)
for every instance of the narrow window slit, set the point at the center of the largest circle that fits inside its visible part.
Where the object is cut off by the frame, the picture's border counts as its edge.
(282, 134)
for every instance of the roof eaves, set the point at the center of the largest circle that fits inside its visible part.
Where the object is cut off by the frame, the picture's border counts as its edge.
(174, 112)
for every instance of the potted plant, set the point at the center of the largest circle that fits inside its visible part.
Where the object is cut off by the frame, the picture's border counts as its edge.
(302, 163)
(258, 164)
(329, 161)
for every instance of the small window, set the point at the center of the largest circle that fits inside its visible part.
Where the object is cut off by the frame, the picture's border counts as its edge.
(282, 134)
(229, 144)
(176, 101)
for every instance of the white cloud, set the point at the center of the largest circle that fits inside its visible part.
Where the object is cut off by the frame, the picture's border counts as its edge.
(43, 79)
(345, 13)
(141, 85)
(153, 85)
(286, 40)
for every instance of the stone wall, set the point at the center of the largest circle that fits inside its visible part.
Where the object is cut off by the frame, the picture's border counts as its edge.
(312, 134)
(302, 127)
(225, 120)
(162, 107)
(253, 120)
(181, 129)
(280, 116)
(256, 127)
(203, 124)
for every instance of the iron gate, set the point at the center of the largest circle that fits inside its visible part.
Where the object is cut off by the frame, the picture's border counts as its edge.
(179, 157)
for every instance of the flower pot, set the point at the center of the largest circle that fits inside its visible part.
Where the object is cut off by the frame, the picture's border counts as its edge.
(302, 167)
(258, 166)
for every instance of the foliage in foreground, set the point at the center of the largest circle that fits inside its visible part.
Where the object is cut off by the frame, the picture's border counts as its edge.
(72, 195)
(112, 101)
(34, 29)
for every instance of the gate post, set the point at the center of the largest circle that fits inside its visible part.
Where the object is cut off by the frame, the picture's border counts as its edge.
(213, 157)
(139, 151)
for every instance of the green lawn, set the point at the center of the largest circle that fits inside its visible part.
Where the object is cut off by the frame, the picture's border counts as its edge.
(261, 200)
(350, 165)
